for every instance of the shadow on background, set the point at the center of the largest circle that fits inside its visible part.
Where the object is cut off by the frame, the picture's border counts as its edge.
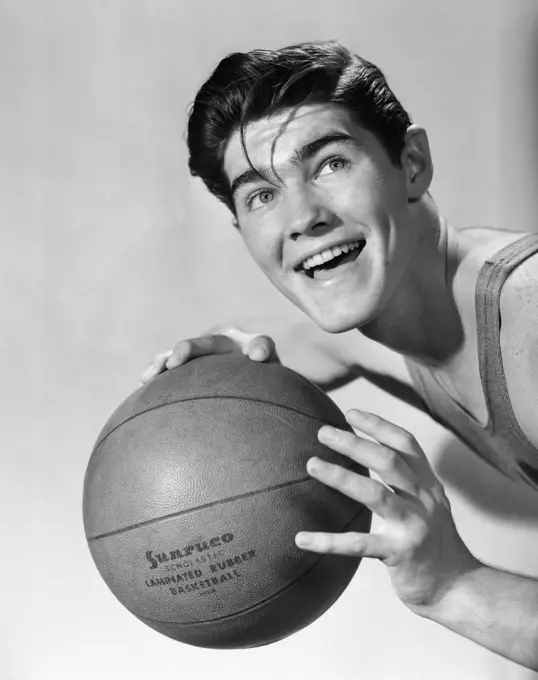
(483, 486)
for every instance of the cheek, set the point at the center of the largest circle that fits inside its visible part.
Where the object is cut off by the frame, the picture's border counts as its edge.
(264, 247)
(361, 195)
(387, 207)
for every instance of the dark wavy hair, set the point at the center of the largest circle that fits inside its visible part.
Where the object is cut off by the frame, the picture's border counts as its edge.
(248, 86)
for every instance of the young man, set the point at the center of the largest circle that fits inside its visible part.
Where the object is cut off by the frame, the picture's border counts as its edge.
(328, 179)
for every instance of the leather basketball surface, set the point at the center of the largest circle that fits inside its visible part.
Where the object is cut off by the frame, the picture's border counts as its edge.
(193, 495)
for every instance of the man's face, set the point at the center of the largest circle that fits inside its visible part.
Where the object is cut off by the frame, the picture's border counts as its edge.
(329, 225)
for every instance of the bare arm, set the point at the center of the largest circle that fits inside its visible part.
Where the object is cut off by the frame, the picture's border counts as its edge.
(328, 360)
(432, 571)
(496, 609)
(334, 360)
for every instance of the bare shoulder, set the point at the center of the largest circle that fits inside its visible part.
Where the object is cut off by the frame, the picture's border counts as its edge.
(519, 343)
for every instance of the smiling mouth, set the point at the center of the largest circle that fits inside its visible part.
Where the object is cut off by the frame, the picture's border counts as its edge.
(325, 269)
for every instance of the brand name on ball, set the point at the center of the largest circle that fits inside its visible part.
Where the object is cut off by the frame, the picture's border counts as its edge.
(155, 559)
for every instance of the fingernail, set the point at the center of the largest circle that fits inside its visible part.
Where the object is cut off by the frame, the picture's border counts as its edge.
(314, 465)
(302, 540)
(328, 433)
(258, 354)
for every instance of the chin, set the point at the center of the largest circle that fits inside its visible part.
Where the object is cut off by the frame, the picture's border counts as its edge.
(344, 318)
(335, 323)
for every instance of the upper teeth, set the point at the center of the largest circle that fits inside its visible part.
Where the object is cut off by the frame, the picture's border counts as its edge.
(329, 254)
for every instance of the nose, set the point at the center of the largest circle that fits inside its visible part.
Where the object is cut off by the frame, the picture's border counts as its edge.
(308, 213)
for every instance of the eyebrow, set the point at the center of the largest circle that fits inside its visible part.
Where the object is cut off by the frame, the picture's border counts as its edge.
(301, 155)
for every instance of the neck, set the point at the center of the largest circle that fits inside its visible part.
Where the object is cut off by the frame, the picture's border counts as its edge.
(421, 320)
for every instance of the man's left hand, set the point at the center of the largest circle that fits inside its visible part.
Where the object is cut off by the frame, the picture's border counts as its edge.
(417, 539)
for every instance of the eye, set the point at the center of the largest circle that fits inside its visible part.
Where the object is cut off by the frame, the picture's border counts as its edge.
(263, 196)
(333, 165)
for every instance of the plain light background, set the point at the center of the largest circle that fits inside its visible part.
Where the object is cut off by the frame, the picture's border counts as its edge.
(111, 252)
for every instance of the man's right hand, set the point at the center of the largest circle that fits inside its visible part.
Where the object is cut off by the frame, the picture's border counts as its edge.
(223, 341)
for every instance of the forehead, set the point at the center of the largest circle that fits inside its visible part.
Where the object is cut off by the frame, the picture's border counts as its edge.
(272, 140)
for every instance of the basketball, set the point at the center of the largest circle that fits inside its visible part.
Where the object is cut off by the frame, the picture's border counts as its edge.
(194, 492)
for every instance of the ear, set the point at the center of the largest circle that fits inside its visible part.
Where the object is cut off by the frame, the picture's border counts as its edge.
(417, 162)
(235, 223)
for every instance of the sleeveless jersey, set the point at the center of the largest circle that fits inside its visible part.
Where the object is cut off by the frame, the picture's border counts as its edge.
(501, 442)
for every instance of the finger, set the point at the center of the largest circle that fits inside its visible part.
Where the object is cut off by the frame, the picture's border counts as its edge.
(254, 345)
(157, 366)
(360, 488)
(384, 461)
(382, 430)
(200, 347)
(392, 436)
(260, 348)
(352, 544)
